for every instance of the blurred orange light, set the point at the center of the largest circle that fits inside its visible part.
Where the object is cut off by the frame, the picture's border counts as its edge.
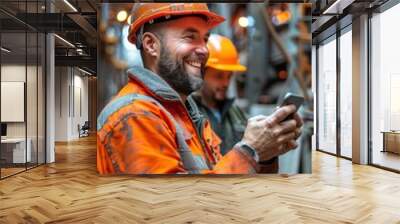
(282, 74)
(283, 17)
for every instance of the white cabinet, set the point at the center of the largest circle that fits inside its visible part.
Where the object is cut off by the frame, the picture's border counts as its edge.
(16, 148)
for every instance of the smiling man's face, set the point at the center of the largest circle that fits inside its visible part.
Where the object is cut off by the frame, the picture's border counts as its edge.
(184, 53)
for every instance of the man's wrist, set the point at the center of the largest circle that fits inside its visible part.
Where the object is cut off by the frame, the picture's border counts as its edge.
(270, 161)
(246, 148)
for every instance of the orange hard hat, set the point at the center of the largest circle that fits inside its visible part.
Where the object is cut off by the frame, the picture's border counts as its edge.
(143, 13)
(223, 55)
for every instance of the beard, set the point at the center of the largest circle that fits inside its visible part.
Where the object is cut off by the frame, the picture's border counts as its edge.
(220, 95)
(175, 74)
(214, 95)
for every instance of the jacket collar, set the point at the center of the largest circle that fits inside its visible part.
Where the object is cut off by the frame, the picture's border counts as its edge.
(154, 83)
(162, 90)
(226, 104)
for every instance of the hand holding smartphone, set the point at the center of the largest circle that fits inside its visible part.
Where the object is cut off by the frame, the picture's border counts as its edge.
(280, 137)
(291, 98)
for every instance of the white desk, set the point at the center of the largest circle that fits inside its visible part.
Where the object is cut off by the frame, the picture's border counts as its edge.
(17, 146)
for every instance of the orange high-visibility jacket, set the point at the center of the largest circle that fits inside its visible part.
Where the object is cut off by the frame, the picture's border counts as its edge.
(146, 129)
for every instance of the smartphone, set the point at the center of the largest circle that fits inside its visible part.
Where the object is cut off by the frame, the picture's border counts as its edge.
(291, 98)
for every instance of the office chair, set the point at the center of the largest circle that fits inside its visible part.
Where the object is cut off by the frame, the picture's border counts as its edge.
(84, 130)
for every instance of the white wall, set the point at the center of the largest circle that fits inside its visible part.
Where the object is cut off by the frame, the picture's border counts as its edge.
(80, 85)
(33, 126)
(71, 94)
(13, 73)
(61, 103)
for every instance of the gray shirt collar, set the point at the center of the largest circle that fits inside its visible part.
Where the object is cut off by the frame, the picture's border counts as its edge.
(153, 82)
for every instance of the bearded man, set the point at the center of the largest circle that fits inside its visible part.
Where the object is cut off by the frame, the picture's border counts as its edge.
(151, 127)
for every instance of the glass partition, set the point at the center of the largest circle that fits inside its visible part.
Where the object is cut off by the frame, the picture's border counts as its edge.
(22, 88)
(14, 153)
(385, 89)
(327, 96)
(346, 93)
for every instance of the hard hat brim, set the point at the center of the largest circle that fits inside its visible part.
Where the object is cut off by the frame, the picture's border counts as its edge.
(225, 67)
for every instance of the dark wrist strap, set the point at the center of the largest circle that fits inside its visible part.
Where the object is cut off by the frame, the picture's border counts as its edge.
(268, 162)
(249, 150)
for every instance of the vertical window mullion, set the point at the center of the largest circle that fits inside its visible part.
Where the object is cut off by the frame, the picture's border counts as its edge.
(338, 99)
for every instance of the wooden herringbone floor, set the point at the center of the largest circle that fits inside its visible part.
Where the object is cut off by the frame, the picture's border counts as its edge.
(70, 191)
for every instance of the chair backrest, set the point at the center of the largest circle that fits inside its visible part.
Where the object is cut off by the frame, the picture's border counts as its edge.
(86, 125)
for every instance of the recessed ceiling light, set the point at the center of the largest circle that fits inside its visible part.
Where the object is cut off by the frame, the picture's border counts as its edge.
(65, 41)
(84, 71)
(5, 50)
(70, 5)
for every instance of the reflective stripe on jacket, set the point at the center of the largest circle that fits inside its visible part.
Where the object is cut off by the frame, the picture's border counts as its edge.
(230, 128)
(139, 133)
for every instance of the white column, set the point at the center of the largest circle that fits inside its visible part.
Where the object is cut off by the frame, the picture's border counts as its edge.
(50, 109)
(360, 90)
(50, 92)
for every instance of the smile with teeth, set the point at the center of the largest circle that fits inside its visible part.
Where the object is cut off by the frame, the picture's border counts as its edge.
(196, 64)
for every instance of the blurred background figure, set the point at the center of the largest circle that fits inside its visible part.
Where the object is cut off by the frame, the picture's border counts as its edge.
(272, 40)
(226, 118)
